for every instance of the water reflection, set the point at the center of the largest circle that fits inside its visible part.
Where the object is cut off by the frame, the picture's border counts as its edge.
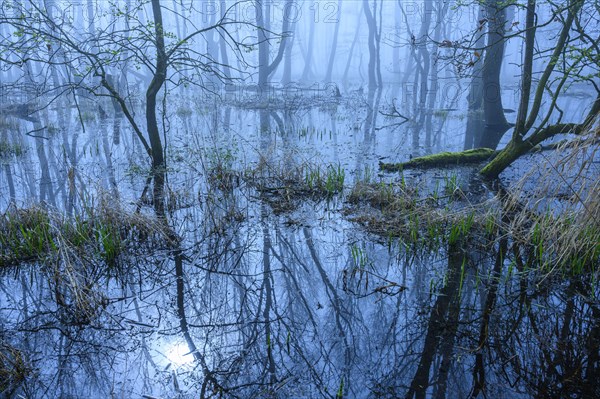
(238, 301)
(177, 354)
(257, 309)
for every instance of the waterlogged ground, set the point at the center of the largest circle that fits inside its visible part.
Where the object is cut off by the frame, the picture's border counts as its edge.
(262, 278)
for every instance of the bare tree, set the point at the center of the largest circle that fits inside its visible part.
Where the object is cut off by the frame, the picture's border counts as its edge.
(93, 55)
(571, 60)
(266, 67)
(334, 43)
(495, 121)
(373, 43)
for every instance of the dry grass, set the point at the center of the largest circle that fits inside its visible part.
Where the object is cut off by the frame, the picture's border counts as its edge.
(423, 221)
(13, 369)
(556, 208)
(75, 254)
(284, 188)
(36, 234)
(553, 212)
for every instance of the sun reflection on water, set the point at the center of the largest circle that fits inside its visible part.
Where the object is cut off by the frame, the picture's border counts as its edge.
(178, 354)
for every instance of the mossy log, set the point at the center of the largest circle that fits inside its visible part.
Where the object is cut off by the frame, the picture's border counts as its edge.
(442, 159)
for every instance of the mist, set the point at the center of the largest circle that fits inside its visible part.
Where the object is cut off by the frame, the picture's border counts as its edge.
(299, 199)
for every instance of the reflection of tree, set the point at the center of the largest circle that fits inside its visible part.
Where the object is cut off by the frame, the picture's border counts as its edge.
(368, 129)
(341, 314)
(263, 311)
(479, 381)
(561, 357)
(262, 304)
(209, 381)
(441, 328)
(266, 299)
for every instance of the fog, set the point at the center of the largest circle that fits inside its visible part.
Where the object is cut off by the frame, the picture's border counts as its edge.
(299, 199)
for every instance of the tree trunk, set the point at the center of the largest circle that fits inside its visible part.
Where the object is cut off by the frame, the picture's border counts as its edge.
(475, 123)
(351, 53)
(306, 73)
(287, 66)
(266, 69)
(263, 46)
(122, 87)
(495, 121)
(212, 46)
(521, 143)
(396, 47)
(378, 43)
(516, 148)
(527, 70)
(507, 156)
(424, 65)
(223, 45)
(158, 80)
(372, 23)
(334, 44)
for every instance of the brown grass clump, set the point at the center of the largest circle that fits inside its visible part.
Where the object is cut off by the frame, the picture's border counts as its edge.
(556, 208)
(13, 369)
(284, 188)
(76, 254)
(425, 221)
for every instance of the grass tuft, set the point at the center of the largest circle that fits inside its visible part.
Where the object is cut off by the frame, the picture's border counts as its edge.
(284, 188)
(14, 369)
(393, 210)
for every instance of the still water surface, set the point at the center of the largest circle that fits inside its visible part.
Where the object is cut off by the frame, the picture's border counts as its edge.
(258, 300)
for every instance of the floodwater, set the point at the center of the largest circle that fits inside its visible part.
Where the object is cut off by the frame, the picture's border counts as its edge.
(256, 300)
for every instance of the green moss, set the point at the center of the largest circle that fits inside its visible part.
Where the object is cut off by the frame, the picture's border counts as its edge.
(442, 159)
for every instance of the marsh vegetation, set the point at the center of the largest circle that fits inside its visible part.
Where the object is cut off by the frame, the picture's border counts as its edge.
(188, 210)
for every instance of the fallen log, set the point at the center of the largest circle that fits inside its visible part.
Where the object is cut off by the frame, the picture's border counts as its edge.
(442, 159)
